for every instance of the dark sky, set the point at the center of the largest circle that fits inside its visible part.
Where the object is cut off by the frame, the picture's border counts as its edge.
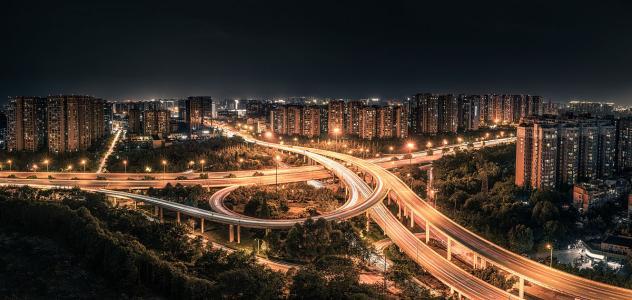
(153, 49)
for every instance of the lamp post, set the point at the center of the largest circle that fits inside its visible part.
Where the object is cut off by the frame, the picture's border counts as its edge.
(164, 169)
(69, 168)
(10, 162)
(550, 247)
(35, 167)
(125, 166)
(46, 163)
(390, 149)
(411, 180)
(241, 160)
(276, 173)
(83, 163)
(410, 147)
(191, 163)
(202, 162)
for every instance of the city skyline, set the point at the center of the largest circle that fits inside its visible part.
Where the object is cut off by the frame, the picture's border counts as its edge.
(346, 50)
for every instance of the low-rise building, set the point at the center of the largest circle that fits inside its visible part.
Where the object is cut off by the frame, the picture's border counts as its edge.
(597, 192)
(617, 244)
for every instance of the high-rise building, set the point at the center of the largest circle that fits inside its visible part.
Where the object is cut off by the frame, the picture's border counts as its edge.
(156, 122)
(133, 121)
(432, 114)
(278, 120)
(367, 122)
(26, 123)
(594, 109)
(294, 122)
(198, 110)
(352, 117)
(336, 119)
(468, 109)
(311, 121)
(385, 124)
(624, 144)
(400, 122)
(71, 124)
(554, 152)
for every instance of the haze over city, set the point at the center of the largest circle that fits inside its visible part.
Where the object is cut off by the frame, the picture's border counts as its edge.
(252, 49)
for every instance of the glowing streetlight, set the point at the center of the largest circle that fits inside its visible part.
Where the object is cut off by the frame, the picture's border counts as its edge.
(268, 135)
(410, 147)
(445, 142)
(202, 162)
(390, 149)
(411, 180)
(35, 167)
(429, 145)
(10, 162)
(164, 169)
(459, 139)
(69, 168)
(550, 247)
(46, 162)
(147, 169)
(277, 158)
(83, 163)
(125, 165)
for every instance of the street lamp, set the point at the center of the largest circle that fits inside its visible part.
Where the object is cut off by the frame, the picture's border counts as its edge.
(202, 162)
(390, 149)
(459, 139)
(445, 142)
(10, 162)
(69, 168)
(191, 163)
(83, 163)
(276, 173)
(147, 169)
(46, 163)
(241, 161)
(268, 135)
(336, 133)
(125, 165)
(35, 167)
(411, 180)
(164, 169)
(550, 247)
(410, 147)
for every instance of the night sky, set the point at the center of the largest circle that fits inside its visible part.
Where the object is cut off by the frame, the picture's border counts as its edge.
(155, 49)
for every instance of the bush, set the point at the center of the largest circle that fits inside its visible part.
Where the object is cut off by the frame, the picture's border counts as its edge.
(31, 177)
(231, 175)
(257, 174)
(204, 176)
(181, 177)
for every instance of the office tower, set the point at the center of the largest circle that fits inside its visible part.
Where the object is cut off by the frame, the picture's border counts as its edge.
(156, 122)
(278, 120)
(311, 121)
(624, 144)
(352, 115)
(385, 124)
(367, 120)
(569, 154)
(400, 120)
(133, 121)
(294, 122)
(335, 120)
(26, 123)
(544, 165)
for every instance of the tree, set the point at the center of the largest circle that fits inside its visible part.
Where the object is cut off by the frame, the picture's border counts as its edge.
(520, 238)
(308, 284)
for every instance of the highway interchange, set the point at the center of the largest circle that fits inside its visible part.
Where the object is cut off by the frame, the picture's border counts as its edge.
(363, 197)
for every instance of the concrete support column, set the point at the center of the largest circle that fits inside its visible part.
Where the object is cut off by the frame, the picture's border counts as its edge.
(135, 205)
(155, 210)
(483, 263)
(201, 225)
(412, 218)
(521, 287)
(238, 234)
(399, 210)
(162, 219)
(231, 233)
(449, 249)
(368, 221)
(388, 198)
(178, 217)
(474, 260)
(427, 232)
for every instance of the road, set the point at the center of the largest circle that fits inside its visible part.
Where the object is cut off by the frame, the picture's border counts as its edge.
(107, 154)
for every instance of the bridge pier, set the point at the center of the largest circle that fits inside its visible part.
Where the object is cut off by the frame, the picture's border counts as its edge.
(162, 219)
(521, 287)
(155, 210)
(412, 218)
(368, 221)
(399, 210)
(427, 232)
(238, 234)
(178, 217)
(231, 233)
(201, 225)
(449, 248)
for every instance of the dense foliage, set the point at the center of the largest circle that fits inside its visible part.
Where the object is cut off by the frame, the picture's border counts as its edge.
(476, 188)
(268, 202)
(195, 196)
(315, 239)
(219, 153)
